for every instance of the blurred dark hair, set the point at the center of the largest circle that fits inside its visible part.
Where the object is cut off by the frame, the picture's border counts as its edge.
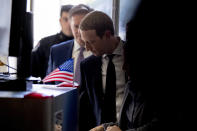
(79, 9)
(143, 48)
(65, 8)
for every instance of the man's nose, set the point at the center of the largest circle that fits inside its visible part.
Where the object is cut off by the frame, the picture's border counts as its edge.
(79, 34)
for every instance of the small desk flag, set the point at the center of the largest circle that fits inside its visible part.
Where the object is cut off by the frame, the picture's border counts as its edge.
(63, 73)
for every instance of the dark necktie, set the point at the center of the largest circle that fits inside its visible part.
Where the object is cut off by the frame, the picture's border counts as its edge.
(109, 106)
(77, 70)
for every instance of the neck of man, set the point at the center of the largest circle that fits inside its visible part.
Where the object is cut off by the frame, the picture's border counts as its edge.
(113, 44)
(64, 33)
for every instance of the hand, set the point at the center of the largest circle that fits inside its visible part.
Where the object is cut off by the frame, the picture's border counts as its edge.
(98, 128)
(113, 128)
(1, 63)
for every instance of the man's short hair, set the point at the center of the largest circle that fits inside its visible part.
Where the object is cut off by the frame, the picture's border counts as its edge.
(98, 21)
(79, 9)
(65, 8)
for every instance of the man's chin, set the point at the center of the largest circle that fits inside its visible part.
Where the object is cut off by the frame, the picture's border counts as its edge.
(81, 43)
(96, 54)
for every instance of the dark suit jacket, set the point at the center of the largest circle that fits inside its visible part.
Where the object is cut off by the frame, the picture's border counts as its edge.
(90, 93)
(137, 113)
(59, 54)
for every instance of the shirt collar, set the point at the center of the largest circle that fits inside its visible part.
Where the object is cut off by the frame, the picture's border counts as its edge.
(118, 50)
(76, 46)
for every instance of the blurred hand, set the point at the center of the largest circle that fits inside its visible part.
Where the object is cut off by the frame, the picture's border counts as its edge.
(113, 128)
(98, 128)
(1, 63)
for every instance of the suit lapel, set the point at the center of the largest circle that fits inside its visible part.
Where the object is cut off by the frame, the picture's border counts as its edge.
(68, 54)
(98, 80)
(126, 93)
(64, 53)
(97, 91)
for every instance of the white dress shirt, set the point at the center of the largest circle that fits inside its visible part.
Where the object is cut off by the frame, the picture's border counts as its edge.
(75, 53)
(120, 75)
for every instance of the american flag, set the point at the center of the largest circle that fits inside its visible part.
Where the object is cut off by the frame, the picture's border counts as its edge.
(63, 73)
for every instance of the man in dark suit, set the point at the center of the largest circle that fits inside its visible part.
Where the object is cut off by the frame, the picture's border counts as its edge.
(40, 54)
(70, 49)
(99, 100)
(138, 110)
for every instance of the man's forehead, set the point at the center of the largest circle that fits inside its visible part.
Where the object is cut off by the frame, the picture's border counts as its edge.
(64, 13)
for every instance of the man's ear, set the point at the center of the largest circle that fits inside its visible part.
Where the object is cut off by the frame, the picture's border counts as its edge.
(108, 34)
(60, 21)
